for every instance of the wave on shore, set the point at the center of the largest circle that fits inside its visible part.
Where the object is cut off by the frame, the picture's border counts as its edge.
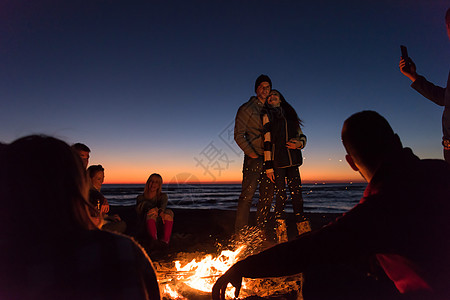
(318, 198)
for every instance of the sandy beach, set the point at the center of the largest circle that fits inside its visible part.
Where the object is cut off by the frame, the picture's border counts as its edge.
(201, 230)
(198, 232)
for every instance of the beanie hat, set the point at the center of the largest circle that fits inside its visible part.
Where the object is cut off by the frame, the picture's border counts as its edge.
(262, 78)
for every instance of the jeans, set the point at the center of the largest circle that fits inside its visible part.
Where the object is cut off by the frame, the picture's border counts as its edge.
(254, 175)
(294, 183)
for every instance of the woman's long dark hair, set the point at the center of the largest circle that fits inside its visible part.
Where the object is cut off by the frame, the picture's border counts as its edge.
(289, 111)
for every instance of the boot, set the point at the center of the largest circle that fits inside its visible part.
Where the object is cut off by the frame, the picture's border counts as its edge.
(151, 229)
(167, 231)
(281, 231)
(303, 227)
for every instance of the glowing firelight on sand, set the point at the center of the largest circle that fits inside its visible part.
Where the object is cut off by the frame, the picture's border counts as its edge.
(189, 278)
(201, 275)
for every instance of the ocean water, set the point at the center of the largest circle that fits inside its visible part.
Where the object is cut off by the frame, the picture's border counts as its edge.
(318, 198)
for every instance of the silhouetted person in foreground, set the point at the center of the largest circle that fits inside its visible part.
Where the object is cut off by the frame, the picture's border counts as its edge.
(401, 223)
(50, 247)
(437, 94)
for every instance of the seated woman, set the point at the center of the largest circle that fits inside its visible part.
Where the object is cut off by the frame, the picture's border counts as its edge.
(96, 175)
(51, 249)
(151, 209)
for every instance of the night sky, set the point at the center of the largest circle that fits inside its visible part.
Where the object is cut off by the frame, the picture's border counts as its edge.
(154, 86)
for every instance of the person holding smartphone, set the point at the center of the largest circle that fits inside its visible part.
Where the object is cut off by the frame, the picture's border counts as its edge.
(437, 94)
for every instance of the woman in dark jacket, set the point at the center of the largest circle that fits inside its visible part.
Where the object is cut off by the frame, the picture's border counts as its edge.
(283, 139)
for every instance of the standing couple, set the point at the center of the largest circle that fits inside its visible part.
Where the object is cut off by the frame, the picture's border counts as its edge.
(268, 130)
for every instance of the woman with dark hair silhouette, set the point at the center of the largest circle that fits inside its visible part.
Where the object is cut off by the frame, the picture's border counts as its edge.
(51, 248)
(283, 141)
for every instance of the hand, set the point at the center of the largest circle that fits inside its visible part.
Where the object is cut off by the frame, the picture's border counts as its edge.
(294, 144)
(253, 155)
(231, 276)
(271, 175)
(412, 69)
(104, 208)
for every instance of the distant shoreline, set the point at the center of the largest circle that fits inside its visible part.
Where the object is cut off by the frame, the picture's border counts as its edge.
(235, 182)
(318, 198)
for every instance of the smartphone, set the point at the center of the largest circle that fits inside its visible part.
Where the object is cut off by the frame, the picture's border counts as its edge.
(405, 56)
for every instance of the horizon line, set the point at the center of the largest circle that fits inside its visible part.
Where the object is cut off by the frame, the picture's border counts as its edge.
(239, 182)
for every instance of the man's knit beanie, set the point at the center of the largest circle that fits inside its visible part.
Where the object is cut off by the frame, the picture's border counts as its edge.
(262, 78)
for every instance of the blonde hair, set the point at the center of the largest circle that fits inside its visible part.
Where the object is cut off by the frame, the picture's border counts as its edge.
(147, 184)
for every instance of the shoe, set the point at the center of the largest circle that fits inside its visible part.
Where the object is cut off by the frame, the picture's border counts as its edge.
(303, 227)
(281, 231)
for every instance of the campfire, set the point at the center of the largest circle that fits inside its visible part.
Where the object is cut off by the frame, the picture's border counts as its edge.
(192, 275)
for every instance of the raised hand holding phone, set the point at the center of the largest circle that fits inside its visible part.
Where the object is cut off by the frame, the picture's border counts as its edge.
(407, 66)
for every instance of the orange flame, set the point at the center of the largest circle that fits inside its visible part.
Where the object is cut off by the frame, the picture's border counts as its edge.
(182, 280)
(201, 275)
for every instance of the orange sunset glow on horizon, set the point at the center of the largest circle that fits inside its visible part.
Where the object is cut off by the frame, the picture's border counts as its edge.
(117, 173)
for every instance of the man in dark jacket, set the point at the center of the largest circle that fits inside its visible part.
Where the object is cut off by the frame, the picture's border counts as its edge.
(437, 94)
(248, 136)
(401, 223)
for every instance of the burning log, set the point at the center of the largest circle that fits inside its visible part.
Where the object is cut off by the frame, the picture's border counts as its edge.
(186, 292)
(192, 276)
(268, 289)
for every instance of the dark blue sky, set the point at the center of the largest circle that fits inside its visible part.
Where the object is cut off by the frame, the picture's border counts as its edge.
(151, 86)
